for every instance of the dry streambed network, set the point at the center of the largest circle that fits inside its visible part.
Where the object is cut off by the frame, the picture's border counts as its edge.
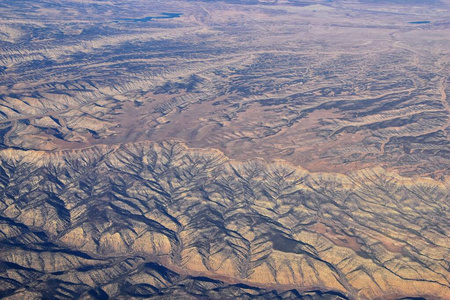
(235, 149)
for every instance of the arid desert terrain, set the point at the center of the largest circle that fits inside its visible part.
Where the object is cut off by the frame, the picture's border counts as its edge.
(235, 149)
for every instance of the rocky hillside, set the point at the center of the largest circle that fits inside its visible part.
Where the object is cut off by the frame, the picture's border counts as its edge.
(149, 218)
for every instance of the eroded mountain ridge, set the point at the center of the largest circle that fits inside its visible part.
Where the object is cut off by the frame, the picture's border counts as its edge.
(66, 215)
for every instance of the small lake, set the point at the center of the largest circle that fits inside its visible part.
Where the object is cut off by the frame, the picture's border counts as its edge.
(163, 15)
(419, 22)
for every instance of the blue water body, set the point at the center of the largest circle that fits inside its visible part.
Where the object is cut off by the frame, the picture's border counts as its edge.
(163, 15)
(419, 22)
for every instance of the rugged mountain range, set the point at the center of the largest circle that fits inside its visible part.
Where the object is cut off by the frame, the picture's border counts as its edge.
(110, 220)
